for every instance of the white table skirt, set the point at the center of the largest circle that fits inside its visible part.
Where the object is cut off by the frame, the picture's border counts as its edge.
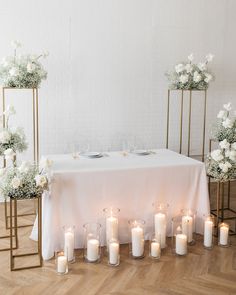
(83, 187)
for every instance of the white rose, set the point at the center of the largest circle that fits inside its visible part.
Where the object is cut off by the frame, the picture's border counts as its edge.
(227, 106)
(228, 123)
(233, 145)
(179, 68)
(188, 68)
(225, 166)
(231, 155)
(9, 154)
(197, 77)
(2, 172)
(24, 167)
(222, 115)
(209, 57)
(15, 44)
(217, 155)
(16, 182)
(191, 57)
(5, 136)
(202, 66)
(208, 77)
(45, 163)
(224, 144)
(10, 110)
(183, 79)
(30, 67)
(14, 72)
(41, 180)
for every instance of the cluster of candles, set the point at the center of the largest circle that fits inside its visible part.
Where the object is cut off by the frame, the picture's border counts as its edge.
(183, 229)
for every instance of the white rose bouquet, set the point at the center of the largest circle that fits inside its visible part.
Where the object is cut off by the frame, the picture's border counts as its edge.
(12, 140)
(24, 182)
(190, 76)
(22, 71)
(225, 128)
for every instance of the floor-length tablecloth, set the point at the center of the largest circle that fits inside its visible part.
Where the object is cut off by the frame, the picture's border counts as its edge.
(82, 188)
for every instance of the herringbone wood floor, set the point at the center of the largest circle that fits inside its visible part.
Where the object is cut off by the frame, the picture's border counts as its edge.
(201, 272)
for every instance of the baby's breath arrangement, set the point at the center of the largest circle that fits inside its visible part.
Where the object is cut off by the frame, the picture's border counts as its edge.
(12, 140)
(22, 71)
(24, 182)
(190, 76)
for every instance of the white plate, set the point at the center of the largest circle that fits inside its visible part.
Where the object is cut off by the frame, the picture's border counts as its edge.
(93, 155)
(142, 152)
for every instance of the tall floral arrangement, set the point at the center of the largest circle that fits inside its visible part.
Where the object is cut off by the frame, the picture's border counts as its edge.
(191, 76)
(22, 71)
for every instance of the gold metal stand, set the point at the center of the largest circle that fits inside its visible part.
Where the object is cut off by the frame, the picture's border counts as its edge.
(15, 228)
(189, 121)
(35, 139)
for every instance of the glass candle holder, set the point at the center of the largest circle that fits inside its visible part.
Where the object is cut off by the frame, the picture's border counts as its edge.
(179, 238)
(160, 222)
(155, 246)
(223, 234)
(137, 238)
(189, 224)
(92, 245)
(113, 252)
(208, 231)
(61, 263)
(111, 215)
(69, 242)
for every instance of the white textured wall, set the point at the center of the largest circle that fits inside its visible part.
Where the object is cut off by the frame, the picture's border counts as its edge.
(107, 62)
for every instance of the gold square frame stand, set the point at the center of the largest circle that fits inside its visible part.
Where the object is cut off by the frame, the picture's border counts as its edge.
(14, 227)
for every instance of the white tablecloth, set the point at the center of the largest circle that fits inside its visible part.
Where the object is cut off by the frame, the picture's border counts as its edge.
(83, 187)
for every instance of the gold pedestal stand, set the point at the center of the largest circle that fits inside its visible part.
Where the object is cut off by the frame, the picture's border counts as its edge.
(14, 227)
(189, 120)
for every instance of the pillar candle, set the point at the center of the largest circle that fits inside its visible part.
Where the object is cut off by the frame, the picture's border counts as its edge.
(61, 264)
(111, 228)
(187, 227)
(113, 253)
(137, 241)
(224, 232)
(69, 245)
(208, 231)
(92, 249)
(155, 249)
(181, 244)
(160, 228)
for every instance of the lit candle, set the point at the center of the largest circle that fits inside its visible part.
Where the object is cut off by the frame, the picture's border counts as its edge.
(160, 228)
(61, 264)
(208, 230)
(69, 245)
(92, 249)
(111, 228)
(137, 241)
(155, 249)
(224, 232)
(181, 244)
(187, 227)
(113, 253)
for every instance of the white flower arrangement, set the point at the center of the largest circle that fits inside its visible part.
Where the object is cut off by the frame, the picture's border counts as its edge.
(12, 140)
(24, 182)
(225, 128)
(22, 71)
(190, 76)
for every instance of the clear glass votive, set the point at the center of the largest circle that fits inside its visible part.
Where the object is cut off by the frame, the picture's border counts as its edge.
(112, 222)
(69, 242)
(189, 224)
(113, 252)
(155, 246)
(179, 238)
(208, 223)
(92, 244)
(137, 238)
(160, 221)
(61, 263)
(223, 234)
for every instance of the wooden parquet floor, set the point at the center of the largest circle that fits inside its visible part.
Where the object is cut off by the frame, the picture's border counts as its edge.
(200, 272)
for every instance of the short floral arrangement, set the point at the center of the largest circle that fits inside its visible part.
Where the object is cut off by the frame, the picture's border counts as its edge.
(24, 182)
(225, 128)
(22, 71)
(12, 140)
(190, 76)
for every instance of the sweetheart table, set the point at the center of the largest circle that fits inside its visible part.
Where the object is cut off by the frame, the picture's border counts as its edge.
(82, 187)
